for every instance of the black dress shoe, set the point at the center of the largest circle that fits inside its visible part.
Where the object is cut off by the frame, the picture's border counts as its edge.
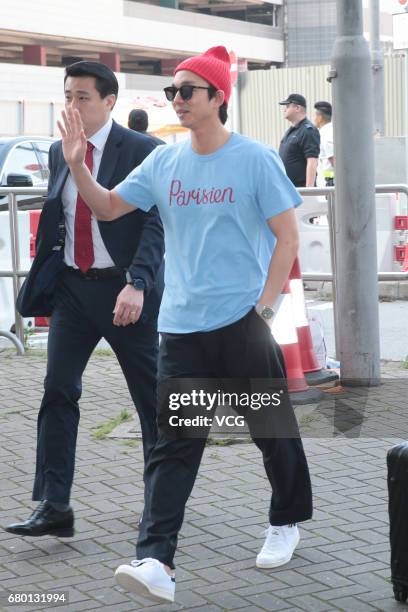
(45, 520)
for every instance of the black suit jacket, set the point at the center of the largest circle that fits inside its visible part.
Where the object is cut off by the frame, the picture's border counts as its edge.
(134, 241)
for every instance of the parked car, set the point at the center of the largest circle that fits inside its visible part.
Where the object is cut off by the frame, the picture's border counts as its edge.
(24, 163)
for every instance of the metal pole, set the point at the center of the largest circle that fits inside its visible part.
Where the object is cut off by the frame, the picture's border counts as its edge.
(355, 224)
(377, 57)
(15, 262)
(52, 118)
(328, 276)
(21, 117)
(406, 96)
(13, 338)
(333, 251)
(236, 123)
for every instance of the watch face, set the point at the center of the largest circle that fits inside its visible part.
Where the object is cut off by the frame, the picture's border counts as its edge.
(139, 284)
(267, 313)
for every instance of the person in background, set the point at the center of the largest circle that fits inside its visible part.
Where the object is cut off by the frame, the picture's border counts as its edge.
(323, 122)
(138, 121)
(300, 145)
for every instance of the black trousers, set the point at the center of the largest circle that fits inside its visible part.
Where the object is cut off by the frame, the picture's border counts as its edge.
(82, 316)
(247, 351)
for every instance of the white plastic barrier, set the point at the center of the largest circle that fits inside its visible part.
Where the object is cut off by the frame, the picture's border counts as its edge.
(314, 237)
(314, 253)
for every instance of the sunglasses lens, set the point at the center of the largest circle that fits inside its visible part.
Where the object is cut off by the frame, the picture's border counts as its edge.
(170, 93)
(186, 92)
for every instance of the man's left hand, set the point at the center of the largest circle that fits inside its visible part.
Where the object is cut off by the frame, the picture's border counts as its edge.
(128, 307)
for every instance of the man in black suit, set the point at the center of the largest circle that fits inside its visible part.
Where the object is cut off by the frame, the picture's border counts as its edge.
(94, 280)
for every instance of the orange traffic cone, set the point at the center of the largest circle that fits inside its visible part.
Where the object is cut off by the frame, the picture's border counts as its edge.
(284, 332)
(314, 373)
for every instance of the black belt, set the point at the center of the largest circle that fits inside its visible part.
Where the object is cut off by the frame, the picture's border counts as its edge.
(96, 273)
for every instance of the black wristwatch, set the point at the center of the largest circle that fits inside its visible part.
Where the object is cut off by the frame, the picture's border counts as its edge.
(137, 283)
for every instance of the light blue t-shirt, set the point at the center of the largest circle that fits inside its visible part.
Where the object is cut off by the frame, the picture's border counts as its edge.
(214, 210)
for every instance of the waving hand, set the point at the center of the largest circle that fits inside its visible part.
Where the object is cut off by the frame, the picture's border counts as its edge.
(73, 137)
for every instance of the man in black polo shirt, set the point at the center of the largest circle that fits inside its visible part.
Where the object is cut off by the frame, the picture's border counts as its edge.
(300, 146)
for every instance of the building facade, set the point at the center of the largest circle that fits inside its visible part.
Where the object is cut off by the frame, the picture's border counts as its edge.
(310, 30)
(147, 37)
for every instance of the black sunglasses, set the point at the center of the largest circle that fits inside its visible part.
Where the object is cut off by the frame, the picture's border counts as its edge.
(186, 91)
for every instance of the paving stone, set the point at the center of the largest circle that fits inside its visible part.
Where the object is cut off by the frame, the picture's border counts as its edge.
(107, 596)
(268, 602)
(299, 591)
(309, 604)
(310, 569)
(271, 585)
(374, 597)
(314, 555)
(213, 608)
(229, 601)
(228, 585)
(212, 574)
(350, 556)
(238, 552)
(341, 592)
(190, 599)
(371, 566)
(332, 579)
(352, 603)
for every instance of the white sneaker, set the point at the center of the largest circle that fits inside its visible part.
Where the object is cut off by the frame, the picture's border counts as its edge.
(148, 578)
(279, 546)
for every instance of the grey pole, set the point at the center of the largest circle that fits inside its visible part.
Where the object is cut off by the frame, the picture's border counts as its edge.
(15, 256)
(355, 225)
(377, 57)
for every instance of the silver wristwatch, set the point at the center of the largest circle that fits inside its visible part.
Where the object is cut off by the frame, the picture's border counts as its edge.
(267, 313)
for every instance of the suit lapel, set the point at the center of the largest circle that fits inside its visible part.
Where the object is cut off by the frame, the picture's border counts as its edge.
(53, 202)
(61, 171)
(110, 156)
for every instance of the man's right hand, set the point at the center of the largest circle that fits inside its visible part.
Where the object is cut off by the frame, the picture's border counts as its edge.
(73, 137)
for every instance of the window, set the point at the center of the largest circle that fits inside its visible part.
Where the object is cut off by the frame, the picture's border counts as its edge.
(43, 146)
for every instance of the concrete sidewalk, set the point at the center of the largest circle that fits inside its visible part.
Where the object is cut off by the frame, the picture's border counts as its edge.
(342, 562)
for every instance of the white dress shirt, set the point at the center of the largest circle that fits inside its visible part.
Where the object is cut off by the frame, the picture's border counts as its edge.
(69, 198)
(326, 151)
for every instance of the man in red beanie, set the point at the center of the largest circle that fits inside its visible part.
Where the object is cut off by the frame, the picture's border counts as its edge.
(231, 237)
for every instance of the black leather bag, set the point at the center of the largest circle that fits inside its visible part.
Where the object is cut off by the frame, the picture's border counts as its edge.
(397, 463)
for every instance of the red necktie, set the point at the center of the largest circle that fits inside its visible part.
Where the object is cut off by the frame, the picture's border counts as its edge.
(83, 245)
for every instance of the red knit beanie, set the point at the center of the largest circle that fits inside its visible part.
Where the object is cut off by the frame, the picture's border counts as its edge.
(213, 66)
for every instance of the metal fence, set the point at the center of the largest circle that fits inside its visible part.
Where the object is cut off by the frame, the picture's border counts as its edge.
(329, 192)
(16, 274)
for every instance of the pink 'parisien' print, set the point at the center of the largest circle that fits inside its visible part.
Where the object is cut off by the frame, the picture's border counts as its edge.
(201, 195)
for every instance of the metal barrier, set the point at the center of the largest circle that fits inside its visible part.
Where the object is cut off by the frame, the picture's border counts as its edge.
(16, 274)
(330, 193)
